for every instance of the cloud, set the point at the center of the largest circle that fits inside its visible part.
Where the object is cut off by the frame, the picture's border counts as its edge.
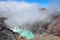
(19, 13)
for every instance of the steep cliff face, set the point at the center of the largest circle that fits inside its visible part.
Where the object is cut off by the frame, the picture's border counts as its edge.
(54, 26)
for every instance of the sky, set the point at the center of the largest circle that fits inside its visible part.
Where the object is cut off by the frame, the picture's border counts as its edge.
(42, 3)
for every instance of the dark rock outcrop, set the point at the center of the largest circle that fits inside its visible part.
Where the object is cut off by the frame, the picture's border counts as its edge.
(6, 33)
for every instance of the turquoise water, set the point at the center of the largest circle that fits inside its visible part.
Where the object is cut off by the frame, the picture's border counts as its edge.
(26, 33)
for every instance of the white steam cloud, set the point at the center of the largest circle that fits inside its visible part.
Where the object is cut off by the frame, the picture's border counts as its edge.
(19, 13)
